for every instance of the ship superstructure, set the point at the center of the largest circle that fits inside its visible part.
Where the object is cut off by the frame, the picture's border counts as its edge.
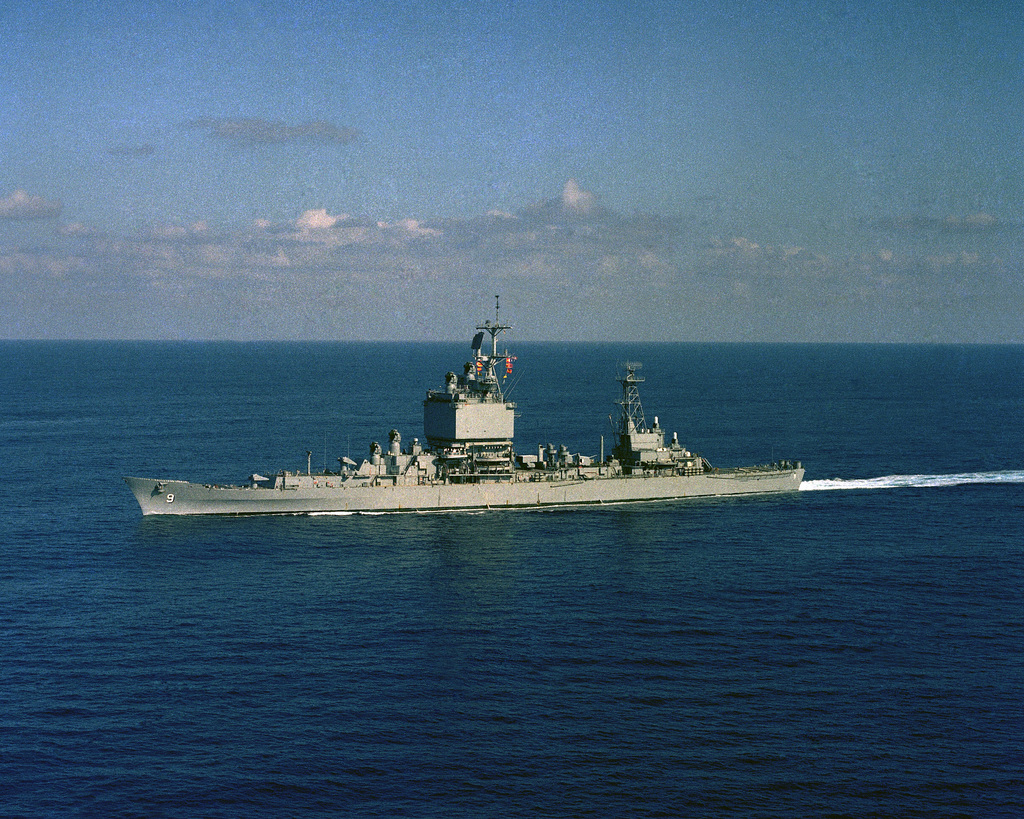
(469, 425)
(641, 448)
(469, 461)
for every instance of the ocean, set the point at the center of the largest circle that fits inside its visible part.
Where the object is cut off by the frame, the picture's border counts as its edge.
(852, 649)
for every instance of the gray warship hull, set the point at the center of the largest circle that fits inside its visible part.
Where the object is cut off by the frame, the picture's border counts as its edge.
(469, 462)
(319, 494)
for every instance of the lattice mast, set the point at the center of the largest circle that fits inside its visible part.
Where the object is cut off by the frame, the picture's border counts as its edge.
(631, 420)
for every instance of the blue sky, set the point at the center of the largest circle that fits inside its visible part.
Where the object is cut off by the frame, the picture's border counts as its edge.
(791, 171)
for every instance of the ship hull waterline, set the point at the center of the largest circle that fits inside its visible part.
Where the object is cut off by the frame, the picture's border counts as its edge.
(176, 497)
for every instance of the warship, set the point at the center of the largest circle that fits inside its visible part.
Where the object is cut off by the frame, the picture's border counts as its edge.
(469, 462)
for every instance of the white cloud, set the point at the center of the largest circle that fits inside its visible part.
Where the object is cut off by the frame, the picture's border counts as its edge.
(576, 199)
(318, 219)
(21, 205)
(78, 229)
(414, 228)
(555, 254)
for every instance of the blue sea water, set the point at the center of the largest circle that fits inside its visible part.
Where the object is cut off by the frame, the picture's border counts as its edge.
(854, 649)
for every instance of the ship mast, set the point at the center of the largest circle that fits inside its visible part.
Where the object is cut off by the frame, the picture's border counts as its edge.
(483, 363)
(636, 444)
(494, 329)
(632, 418)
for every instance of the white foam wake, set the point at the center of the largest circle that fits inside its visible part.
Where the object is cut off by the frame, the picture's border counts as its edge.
(897, 481)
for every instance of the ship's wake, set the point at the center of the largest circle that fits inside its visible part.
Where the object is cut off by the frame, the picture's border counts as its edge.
(915, 481)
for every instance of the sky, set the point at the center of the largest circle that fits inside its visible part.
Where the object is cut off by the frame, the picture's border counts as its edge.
(651, 171)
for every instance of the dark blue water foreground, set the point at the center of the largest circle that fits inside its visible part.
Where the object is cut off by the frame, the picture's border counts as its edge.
(856, 649)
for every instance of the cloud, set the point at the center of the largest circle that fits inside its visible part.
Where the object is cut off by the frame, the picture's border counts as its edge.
(197, 231)
(413, 227)
(132, 150)
(318, 227)
(575, 199)
(972, 223)
(318, 219)
(740, 251)
(574, 205)
(247, 132)
(81, 230)
(320, 274)
(21, 205)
